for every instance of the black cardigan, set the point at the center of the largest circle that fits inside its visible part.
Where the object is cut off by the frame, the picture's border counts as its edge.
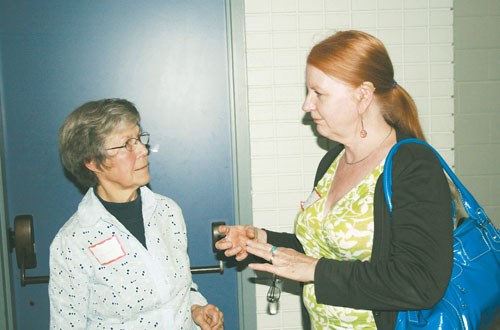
(412, 257)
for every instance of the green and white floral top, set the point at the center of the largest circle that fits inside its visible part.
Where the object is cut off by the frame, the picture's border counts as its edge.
(343, 233)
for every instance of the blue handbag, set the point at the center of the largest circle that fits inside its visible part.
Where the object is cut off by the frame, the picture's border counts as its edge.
(472, 299)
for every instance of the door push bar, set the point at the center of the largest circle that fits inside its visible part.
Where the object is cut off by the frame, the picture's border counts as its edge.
(22, 238)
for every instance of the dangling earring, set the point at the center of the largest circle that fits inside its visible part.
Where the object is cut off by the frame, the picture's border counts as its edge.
(363, 132)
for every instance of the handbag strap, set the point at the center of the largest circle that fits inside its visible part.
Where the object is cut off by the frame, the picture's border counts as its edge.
(471, 206)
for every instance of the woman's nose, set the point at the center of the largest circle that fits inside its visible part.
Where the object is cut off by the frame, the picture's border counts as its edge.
(141, 148)
(308, 104)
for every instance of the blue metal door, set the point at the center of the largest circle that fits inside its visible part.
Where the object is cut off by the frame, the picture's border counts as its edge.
(168, 57)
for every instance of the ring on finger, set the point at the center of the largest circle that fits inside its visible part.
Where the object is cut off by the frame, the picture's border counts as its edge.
(273, 249)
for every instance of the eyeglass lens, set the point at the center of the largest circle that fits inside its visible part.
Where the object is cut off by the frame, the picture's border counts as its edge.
(132, 143)
(144, 138)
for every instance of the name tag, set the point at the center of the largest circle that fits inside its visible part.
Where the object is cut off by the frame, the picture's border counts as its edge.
(108, 250)
(313, 198)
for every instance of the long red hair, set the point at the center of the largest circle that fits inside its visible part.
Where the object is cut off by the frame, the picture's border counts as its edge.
(355, 57)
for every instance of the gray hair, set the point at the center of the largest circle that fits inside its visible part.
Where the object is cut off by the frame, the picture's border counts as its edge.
(82, 135)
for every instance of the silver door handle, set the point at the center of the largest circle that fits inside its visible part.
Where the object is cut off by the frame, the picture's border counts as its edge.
(208, 269)
(216, 235)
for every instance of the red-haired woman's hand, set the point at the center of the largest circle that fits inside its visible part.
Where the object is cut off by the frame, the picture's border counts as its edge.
(236, 237)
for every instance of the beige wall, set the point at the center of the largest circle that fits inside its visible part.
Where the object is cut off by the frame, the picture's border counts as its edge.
(477, 100)
(284, 150)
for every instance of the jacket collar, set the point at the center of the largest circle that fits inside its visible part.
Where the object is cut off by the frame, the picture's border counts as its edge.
(91, 211)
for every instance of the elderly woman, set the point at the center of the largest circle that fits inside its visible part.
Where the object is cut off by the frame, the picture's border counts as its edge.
(120, 262)
(358, 268)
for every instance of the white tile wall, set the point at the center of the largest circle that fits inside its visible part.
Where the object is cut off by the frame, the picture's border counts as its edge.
(284, 150)
(477, 71)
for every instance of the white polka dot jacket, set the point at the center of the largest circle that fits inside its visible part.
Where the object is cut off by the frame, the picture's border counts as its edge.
(102, 277)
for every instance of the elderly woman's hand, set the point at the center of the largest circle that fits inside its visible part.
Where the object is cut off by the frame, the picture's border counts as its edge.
(208, 317)
(283, 262)
(236, 237)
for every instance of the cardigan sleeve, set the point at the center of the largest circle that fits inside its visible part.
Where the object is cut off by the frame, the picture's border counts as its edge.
(284, 240)
(414, 269)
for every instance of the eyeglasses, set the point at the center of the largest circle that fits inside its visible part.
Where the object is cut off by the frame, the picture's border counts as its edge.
(131, 143)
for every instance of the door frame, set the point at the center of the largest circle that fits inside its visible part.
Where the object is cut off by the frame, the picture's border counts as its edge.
(235, 22)
(235, 18)
(6, 300)
(6, 294)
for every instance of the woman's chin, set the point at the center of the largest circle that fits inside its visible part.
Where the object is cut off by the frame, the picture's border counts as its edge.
(323, 131)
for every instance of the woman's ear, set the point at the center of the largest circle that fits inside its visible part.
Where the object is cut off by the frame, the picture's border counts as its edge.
(91, 165)
(365, 95)
(367, 89)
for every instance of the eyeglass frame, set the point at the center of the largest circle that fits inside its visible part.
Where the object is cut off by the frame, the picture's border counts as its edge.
(130, 146)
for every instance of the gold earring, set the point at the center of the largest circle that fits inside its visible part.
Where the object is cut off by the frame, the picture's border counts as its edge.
(363, 133)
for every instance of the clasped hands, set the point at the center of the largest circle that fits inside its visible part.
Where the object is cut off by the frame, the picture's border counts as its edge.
(240, 241)
(207, 317)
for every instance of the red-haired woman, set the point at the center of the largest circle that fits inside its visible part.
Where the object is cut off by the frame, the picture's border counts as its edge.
(358, 268)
